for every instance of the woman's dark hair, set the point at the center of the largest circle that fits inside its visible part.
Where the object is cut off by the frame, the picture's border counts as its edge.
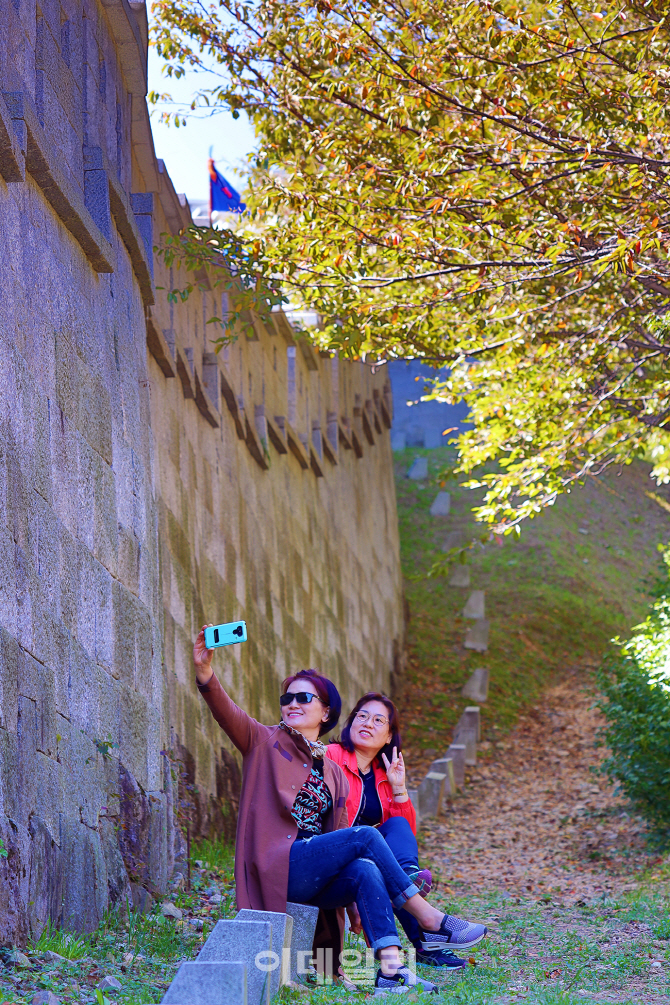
(326, 691)
(394, 725)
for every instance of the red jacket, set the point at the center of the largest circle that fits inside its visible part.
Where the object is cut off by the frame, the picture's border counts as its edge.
(390, 808)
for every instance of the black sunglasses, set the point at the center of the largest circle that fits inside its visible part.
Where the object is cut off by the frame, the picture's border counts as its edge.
(302, 697)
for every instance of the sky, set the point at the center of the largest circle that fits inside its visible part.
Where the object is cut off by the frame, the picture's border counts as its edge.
(185, 150)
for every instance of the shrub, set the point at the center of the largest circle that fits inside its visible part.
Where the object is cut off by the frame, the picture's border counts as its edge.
(635, 685)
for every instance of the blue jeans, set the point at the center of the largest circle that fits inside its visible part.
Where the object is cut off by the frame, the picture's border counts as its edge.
(399, 837)
(354, 864)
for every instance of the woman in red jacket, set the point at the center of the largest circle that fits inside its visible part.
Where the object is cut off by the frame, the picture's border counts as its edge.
(369, 753)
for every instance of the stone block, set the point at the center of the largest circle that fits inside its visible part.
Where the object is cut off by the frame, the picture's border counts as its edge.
(41, 447)
(433, 438)
(249, 942)
(69, 578)
(26, 729)
(456, 752)
(474, 607)
(304, 925)
(118, 886)
(33, 615)
(208, 984)
(398, 441)
(454, 539)
(48, 551)
(460, 575)
(441, 504)
(210, 378)
(38, 682)
(142, 206)
(79, 695)
(12, 152)
(46, 877)
(67, 373)
(105, 524)
(129, 560)
(418, 470)
(129, 620)
(99, 598)
(477, 685)
(94, 411)
(96, 190)
(431, 794)
(477, 637)
(445, 766)
(414, 800)
(9, 596)
(282, 935)
(84, 877)
(467, 736)
(471, 719)
(142, 202)
(9, 675)
(134, 724)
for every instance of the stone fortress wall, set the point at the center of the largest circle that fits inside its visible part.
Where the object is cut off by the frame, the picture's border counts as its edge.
(147, 485)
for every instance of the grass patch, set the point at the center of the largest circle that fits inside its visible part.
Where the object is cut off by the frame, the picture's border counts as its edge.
(541, 951)
(580, 573)
(217, 857)
(143, 952)
(66, 944)
(544, 952)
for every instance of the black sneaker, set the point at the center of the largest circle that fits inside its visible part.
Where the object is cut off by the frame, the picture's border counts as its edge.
(439, 958)
(401, 981)
(453, 932)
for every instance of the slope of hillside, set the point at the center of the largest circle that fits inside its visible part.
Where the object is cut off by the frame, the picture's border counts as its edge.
(579, 574)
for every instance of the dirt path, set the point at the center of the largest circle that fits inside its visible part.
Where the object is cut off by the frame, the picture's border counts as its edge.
(535, 819)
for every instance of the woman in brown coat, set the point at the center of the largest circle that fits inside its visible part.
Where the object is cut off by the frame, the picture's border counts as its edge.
(291, 843)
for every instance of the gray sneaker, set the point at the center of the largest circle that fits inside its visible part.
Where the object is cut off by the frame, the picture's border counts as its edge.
(453, 932)
(403, 980)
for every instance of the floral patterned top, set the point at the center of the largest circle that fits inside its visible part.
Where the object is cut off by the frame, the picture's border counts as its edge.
(312, 802)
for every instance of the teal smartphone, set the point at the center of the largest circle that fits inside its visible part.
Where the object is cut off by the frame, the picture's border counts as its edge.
(225, 635)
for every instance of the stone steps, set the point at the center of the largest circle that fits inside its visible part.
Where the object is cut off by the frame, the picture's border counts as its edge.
(247, 959)
(447, 774)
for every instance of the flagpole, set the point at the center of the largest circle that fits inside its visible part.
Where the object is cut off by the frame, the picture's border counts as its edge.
(209, 172)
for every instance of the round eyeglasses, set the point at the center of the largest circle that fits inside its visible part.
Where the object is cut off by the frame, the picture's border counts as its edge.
(377, 720)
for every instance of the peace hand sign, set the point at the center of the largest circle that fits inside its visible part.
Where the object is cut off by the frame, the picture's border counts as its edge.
(395, 769)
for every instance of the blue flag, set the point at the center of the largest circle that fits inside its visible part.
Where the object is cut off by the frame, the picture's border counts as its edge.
(222, 195)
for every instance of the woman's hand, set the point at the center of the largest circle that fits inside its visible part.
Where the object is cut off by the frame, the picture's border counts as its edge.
(202, 658)
(395, 769)
(354, 919)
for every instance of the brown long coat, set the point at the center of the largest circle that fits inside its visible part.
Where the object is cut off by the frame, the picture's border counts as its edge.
(275, 766)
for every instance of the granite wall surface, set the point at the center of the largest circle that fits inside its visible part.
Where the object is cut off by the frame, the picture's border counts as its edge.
(148, 484)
